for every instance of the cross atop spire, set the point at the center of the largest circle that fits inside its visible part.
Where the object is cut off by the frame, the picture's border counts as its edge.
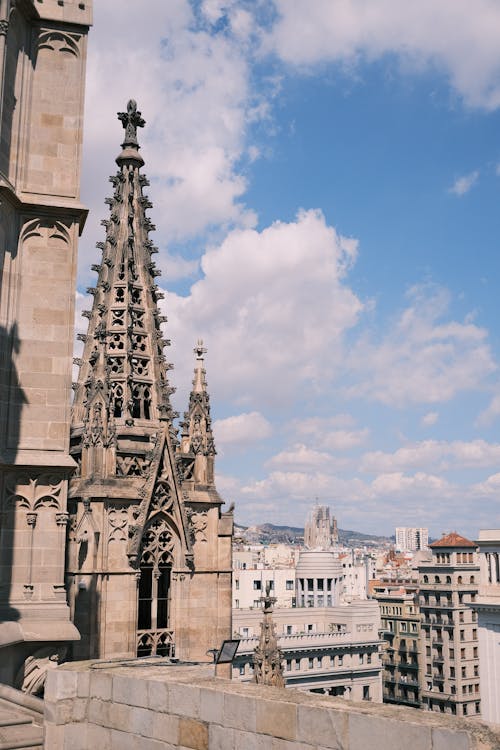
(131, 120)
(200, 350)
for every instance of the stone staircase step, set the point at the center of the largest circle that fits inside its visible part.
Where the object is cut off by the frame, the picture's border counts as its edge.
(9, 718)
(23, 736)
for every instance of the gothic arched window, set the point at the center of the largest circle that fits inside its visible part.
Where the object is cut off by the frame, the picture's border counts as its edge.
(117, 400)
(141, 402)
(153, 635)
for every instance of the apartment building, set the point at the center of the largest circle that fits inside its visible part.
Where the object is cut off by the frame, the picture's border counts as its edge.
(401, 632)
(450, 659)
(411, 539)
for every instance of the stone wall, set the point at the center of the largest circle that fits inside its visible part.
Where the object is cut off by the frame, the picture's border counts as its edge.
(149, 706)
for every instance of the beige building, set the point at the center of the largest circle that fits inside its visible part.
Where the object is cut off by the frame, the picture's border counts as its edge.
(42, 72)
(149, 554)
(331, 650)
(401, 631)
(450, 660)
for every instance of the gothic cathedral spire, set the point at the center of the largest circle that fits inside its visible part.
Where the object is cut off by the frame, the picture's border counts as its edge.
(197, 448)
(136, 539)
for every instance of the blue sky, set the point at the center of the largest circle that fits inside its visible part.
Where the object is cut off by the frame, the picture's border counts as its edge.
(325, 178)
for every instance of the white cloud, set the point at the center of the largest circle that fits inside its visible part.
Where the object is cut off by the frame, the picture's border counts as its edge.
(341, 440)
(490, 486)
(192, 85)
(321, 433)
(402, 485)
(429, 419)
(434, 454)
(304, 485)
(491, 413)
(242, 429)
(463, 184)
(315, 427)
(453, 36)
(178, 267)
(300, 457)
(422, 358)
(273, 309)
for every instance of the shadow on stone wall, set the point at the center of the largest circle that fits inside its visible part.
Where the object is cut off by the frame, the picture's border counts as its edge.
(12, 399)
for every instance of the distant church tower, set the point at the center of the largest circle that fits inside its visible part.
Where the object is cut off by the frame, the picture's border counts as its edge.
(320, 531)
(43, 49)
(149, 565)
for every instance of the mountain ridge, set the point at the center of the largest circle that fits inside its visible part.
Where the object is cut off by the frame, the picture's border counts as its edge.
(273, 533)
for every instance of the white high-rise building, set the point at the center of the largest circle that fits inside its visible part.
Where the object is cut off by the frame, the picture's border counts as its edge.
(410, 539)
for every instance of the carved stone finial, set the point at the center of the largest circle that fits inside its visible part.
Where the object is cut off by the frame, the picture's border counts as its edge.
(199, 349)
(131, 120)
(267, 658)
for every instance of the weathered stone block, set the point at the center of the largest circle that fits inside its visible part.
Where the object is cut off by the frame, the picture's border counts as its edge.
(277, 744)
(118, 717)
(83, 684)
(165, 728)
(443, 739)
(184, 700)
(240, 712)
(322, 726)
(98, 712)
(277, 718)
(130, 691)
(100, 685)
(193, 734)
(220, 738)
(211, 706)
(374, 731)
(157, 695)
(63, 686)
(53, 735)
(251, 741)
(75, 737)
(98, 738)
(140, 721)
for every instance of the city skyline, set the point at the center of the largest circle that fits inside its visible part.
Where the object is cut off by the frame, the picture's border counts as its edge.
(327, 223)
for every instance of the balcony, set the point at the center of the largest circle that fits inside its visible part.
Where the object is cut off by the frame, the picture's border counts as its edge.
(407, 681)
(440, 605)
(408, 665)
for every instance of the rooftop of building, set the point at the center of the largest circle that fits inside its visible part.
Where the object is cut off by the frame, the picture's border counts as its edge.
(453, 540)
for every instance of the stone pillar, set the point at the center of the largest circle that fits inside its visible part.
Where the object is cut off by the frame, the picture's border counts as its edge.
(42, 69)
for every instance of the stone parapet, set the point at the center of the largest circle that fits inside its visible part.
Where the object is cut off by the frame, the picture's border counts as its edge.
(153, 705)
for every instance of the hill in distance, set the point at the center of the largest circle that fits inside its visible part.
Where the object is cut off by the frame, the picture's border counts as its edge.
(269, 533)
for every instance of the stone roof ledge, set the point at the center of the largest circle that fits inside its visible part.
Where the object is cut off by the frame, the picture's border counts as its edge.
(154, 703)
